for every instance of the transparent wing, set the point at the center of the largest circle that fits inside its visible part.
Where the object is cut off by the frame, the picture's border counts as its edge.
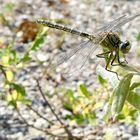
(79, 59)
(65, 56)
(116, 24)
(74, 59)
(109, 25)
(125, 20)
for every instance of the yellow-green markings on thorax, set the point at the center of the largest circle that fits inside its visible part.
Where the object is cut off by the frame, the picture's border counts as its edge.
(111, 41)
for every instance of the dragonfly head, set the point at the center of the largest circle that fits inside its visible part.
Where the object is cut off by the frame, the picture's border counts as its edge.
(125, 47)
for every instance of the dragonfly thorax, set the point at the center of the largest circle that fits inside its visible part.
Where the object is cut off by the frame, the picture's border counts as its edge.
(111, 41)
(125, 47)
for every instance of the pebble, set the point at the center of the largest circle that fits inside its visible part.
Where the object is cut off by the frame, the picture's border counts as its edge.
(59, 131)
(126, 136)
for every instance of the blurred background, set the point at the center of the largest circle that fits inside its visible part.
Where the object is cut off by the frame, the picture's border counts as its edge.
(18, 23)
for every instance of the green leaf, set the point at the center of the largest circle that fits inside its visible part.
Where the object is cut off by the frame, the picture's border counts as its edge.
(14, 55)
(134, 99)
(79, 118)
(9, 7)
(108, 108)
(120, 94)
(133, 113)
(138, 37)
(125, 110)
(108, 76)
(70, 102)
(68, 106)
(9, 75)
(26, 58)
(19, 88)
(39, 39)
(120, 117)
(91, 118)
(101, 80)
(70, 95)
(134, 85)
(1, 53)
(13, 103)
(82, 91)
(17, 93)
(37, 43)
(130, 69)
(25, 101)
(5, 61)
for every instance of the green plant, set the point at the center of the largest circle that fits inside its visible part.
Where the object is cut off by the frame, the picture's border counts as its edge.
(127, 89)
(12, 62)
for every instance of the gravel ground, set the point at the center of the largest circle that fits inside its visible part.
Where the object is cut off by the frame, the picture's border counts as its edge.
(85, 15)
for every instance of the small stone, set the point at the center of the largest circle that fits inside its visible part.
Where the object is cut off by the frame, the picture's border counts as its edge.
(59, 131)
(126, 136)
(134, 138)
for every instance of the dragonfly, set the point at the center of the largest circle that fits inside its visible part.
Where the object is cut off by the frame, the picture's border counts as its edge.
(106, 36)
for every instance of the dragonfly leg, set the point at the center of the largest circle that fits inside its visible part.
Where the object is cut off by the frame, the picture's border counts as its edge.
(123, 62)
(113, 61)
(102, 54)
(108, 62)
(119, 62)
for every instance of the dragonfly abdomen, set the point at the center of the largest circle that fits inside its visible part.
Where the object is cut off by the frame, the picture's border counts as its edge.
(64, 28)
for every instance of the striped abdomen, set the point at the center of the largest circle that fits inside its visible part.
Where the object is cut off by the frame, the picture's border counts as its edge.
(64, 28)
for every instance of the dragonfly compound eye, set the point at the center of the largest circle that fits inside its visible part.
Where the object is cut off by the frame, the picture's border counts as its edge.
(125, 47)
